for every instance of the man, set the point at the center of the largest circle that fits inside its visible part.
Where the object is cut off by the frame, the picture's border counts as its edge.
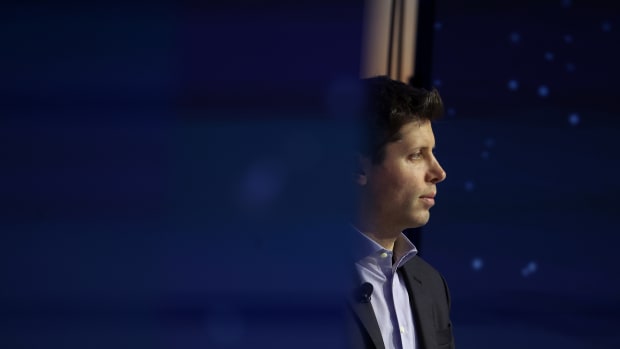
(402, 302)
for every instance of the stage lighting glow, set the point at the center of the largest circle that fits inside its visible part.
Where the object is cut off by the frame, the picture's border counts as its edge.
(543, 91)
(549, 56)
(513, 85)
(573, 119)
(477, 264)
(515, 37)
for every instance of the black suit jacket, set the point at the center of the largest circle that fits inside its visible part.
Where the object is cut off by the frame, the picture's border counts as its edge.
(430, 302)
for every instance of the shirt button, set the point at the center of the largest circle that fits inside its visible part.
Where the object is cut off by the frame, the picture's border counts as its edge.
(384, 255)
(402, 329)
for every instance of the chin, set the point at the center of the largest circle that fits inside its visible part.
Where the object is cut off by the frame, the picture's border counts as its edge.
(413, 225)
(416, 222)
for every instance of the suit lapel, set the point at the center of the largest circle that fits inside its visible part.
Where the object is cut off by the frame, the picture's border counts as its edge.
(366, 315)
(422, 305)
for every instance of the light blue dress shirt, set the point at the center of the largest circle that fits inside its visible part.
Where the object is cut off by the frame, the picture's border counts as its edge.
(390, 299)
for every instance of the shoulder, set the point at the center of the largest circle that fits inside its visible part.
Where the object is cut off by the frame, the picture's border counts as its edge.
(422, 268)
(425, 273)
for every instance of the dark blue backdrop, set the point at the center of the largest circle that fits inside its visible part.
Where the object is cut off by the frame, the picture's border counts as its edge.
(173, 174)
(527, 226)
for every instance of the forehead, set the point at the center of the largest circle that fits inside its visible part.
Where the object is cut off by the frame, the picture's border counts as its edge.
(417, 133)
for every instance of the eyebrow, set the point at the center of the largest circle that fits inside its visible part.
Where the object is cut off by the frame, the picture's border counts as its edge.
(422, 148)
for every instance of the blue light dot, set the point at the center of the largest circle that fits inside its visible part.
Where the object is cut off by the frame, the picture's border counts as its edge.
(477, 264)
(549, 56)
(568, 39)
(489, 142)
(484, 155)
(573, 119)
(451, 112)
(606, 26)
(530, 268)
(566, 3)
(437, 83)
(543, 91)
(570, 67)
(513, 85)
(515, 37)
(469, 186)
(438, 25)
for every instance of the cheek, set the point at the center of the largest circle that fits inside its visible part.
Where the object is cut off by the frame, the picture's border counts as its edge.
(396, 186)
(410, 189)
(395, 183)
(402, 189)
(387, 190)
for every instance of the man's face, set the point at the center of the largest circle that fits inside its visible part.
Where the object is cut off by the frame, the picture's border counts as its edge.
(399, 192)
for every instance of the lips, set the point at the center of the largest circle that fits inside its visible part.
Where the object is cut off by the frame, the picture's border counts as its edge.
(429, 199)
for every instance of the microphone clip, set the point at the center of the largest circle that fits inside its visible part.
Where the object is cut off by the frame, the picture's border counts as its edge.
(364, 292)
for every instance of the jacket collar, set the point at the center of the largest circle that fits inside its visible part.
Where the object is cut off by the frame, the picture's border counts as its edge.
(422, 303)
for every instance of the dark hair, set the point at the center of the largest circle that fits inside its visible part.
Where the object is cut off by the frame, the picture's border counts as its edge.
(390, 104)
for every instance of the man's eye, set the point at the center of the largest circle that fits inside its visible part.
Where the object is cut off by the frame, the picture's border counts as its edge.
(415, 156)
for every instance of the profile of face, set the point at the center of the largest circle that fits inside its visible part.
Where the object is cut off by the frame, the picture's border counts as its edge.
(398, 193)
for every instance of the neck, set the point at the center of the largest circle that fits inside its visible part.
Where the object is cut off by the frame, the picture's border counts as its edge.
(385, 242)
(379, 230)
(385, 237)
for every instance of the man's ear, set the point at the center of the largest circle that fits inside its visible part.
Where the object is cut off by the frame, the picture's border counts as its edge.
(363, 167)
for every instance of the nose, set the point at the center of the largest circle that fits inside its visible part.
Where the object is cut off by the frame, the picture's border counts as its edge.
(436, 173)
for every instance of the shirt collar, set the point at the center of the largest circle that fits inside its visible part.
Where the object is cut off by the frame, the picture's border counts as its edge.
(364, 247)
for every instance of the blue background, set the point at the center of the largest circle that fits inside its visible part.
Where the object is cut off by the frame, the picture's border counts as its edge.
(173, 174)
(525, 228)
